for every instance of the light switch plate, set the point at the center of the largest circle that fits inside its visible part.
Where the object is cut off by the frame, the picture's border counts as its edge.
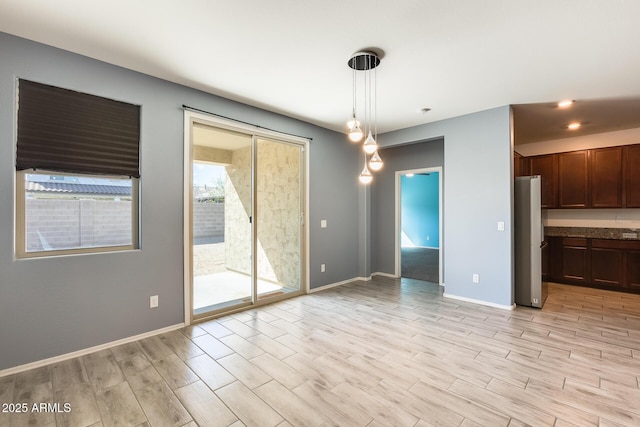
(323, 223)
(500, 225)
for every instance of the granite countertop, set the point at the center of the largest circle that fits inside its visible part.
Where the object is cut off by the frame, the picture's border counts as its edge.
(594, 233)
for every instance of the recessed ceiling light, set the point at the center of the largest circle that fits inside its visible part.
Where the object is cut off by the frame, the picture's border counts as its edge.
(565, 103)
(573, 126)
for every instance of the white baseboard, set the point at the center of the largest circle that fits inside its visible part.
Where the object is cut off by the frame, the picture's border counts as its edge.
(379, 273)
(477, 301)
(83, 352)
(355, 279)
(333, 285)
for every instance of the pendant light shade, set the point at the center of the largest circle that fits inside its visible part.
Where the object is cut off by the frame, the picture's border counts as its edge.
(355, 133)
(376, 162)
(365, 175)
(370, 146)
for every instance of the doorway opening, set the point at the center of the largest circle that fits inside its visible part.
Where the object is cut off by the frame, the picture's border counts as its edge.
(419, 224)
(245, 200)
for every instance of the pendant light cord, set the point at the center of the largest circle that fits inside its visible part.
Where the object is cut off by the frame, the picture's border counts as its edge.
(354, 95)
(375, 103)
(368, 74)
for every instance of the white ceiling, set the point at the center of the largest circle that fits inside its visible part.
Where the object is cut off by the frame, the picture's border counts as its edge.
(290, 56)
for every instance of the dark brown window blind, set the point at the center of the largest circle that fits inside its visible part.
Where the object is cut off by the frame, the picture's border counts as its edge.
(66, 131)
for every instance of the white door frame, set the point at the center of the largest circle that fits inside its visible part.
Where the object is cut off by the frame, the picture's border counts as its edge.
(191, 117)
(398, 233)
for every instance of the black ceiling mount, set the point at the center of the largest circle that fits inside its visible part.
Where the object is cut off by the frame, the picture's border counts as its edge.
(364, 60)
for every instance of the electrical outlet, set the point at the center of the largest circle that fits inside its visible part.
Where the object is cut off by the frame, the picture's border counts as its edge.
(476, 278)
(322, 268)
(323, 223)
(153, 301)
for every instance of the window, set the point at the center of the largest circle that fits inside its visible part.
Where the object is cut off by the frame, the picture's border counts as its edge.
(77, 172)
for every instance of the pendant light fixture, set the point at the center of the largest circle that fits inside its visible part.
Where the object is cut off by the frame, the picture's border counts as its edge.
(365, 175)
(367, 62)
(376, 162)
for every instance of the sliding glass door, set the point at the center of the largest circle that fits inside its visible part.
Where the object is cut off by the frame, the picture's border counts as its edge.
(246, 244)
(278, 217)
(221, 219)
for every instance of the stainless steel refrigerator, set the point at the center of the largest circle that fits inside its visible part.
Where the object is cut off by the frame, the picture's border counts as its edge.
(529, 241)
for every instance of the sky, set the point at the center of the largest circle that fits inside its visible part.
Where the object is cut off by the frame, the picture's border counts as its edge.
(206, 174)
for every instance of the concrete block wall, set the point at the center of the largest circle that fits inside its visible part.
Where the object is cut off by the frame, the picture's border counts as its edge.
(208, 220)
(64, 224)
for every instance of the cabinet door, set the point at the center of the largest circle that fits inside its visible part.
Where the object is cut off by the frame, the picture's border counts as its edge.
(632, 176)
(632, 273)
(517, 164)
(545, 166)
(606, 177)
(607, 262)
(546, 260)
(524, 166)
(573, 179)
(551, 255)
(575, 260)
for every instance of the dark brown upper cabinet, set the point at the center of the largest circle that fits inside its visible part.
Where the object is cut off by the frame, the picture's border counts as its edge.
(517, 164)
(598, 178)
(573, 179)
(631, 156)
(606, 177)
(520, 165)
(524, 166)
(546, 167)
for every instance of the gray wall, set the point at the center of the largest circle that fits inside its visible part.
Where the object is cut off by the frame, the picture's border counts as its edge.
(334, 198)
(52, 306)
(477, 194)
(414, 156)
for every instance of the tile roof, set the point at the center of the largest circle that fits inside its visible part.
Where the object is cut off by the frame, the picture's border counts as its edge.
(64, 187)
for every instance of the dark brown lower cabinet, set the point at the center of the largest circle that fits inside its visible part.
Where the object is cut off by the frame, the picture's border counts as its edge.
(546, 260)
(607, 259)
(602, 263)
(633, 269)
(575, 260)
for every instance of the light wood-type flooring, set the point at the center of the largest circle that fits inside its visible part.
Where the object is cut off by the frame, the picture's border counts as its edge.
(386, 352)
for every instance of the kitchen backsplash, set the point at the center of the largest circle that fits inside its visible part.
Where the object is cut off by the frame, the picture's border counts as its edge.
(606, 218)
